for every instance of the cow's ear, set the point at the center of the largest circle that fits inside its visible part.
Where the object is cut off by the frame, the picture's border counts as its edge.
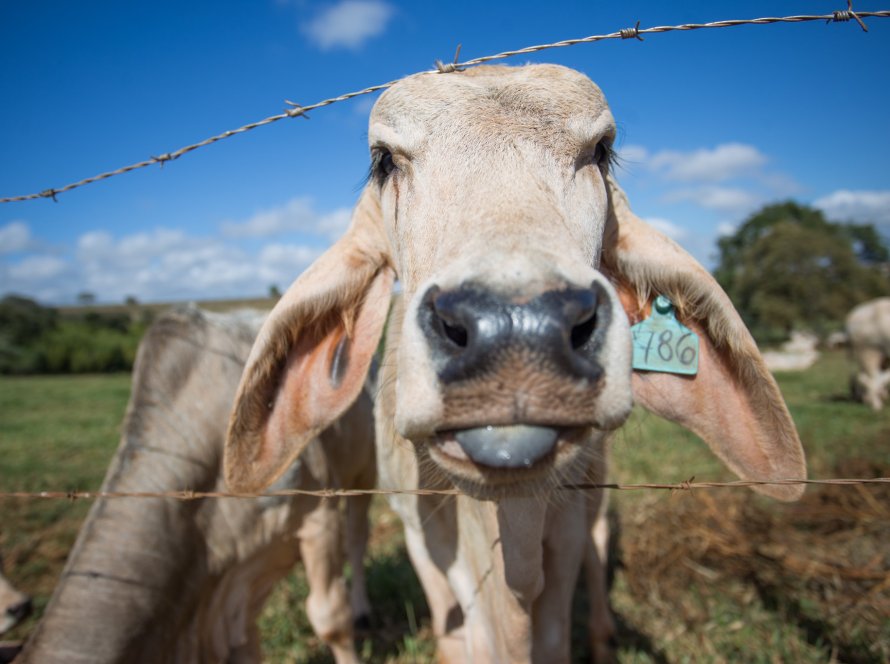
(733, 403)
(310, 359)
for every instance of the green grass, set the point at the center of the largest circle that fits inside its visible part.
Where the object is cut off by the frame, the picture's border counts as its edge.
(685, 588)
(58, 433)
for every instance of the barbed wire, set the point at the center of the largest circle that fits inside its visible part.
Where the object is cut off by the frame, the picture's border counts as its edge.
(186, 494)
(296, 110)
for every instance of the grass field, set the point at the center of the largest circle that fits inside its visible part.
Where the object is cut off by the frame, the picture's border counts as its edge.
(720, 575)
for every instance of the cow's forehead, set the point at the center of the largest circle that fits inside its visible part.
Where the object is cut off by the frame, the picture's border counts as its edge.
(535, 97)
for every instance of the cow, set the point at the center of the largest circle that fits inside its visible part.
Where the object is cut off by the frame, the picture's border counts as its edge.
(507, 359)
(868, 331)
(157, 579)
(15, 606)
(799, 353)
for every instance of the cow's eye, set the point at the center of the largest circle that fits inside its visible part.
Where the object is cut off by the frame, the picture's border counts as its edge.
(602, 155)
(382, 165)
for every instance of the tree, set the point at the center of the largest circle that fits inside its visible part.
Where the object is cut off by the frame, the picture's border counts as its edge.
(22, 320)
(86, 298)
(274, 292)
(22, 323)
(788, 267)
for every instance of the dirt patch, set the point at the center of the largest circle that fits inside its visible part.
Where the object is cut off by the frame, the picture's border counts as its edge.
(825, 560)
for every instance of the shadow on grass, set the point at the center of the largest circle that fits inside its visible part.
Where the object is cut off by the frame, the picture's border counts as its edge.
(628, 638)
(778, 599)
(400, 624)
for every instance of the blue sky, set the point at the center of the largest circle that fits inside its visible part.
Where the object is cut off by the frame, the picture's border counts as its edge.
(713, 124)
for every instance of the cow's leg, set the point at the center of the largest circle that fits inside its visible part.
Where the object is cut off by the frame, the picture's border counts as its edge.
(445, 610)
(882, 382)
(564, 549)
(869, 376)
(356, 544)
(600, 625)
(327, 606)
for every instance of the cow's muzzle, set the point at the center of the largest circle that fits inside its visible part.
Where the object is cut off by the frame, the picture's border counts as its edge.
(470, 329)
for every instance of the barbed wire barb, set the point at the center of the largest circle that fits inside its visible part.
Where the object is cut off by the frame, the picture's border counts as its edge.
(846, 15)
(295, 110)
(626, 33)
(631, 33)
(451, 66)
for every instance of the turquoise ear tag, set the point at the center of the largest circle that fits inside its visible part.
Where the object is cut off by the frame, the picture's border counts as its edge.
(661, 343)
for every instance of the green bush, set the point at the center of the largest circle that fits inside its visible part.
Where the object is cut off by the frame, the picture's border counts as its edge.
(34, 339)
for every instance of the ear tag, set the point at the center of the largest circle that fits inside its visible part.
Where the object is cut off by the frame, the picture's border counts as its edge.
(661, 343)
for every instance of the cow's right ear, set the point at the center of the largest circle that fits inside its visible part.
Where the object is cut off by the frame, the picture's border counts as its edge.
(309, 361)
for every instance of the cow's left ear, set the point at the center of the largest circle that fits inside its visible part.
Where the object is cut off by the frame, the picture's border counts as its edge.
(733, 403)
(311, 356)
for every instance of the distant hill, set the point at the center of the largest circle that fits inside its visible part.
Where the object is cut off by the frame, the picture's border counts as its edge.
(87, 338)
(137, 309)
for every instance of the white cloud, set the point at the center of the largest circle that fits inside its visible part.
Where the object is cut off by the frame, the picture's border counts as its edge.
(43, 277)
(37, 268)
(95, 243)
(297, 215)
(166, 264)
(669, 228)
(280, 264)
(728, 200)
(349, 23)
(633, 154)
(721, 163)
(725, 228)
(729, 178)
(334, 224)
(780, 185)
(14, 237)
(860, 206)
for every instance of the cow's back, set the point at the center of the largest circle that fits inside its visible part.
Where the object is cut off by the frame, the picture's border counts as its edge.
(868, 325)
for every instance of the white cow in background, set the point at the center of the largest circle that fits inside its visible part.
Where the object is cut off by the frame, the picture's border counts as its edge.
(868, 329)
(797, 354)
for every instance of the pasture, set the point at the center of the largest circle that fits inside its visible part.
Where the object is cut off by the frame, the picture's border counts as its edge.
(709, 575)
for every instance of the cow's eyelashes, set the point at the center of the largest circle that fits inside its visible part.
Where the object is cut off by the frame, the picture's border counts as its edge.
(602, 155)
(382, 165)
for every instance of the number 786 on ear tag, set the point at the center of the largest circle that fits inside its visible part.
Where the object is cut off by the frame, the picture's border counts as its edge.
(661, 343)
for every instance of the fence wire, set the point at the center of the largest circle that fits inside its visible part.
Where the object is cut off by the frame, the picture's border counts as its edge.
(186, 495)
(297, 110)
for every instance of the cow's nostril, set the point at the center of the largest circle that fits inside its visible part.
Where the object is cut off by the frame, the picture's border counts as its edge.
(582, 332)
(457, 334)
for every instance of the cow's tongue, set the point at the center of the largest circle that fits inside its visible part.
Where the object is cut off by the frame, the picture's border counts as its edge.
(515, 446)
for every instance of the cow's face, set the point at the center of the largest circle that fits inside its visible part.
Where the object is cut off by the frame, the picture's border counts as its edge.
(521, 264)
(492, 190)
